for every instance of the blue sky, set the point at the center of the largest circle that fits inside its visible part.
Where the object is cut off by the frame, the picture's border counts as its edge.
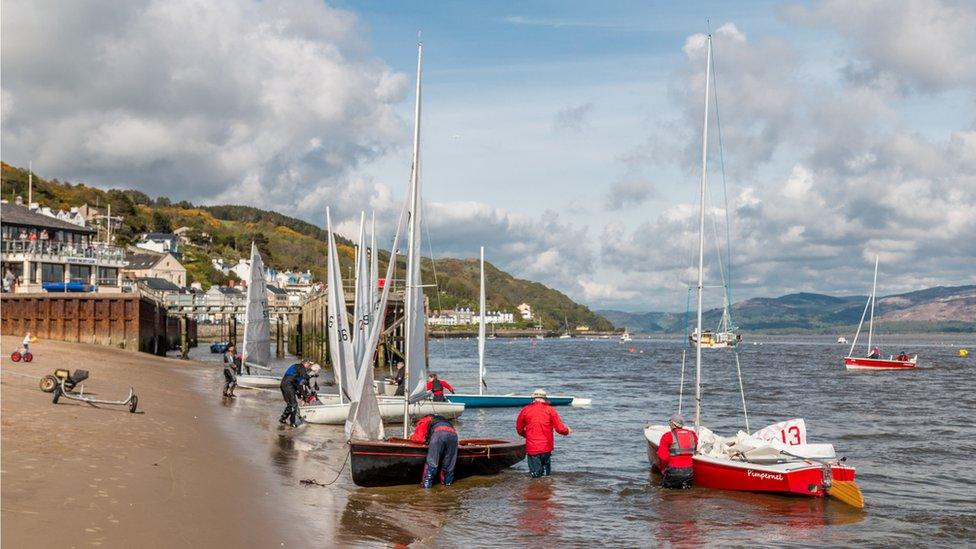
(563, 136)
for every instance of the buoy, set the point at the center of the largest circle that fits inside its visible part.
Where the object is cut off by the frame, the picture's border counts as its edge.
(631, 350)
(963, 352)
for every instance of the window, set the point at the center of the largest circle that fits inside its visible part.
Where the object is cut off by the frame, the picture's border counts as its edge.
(80, 273)
(107, 276)
(51, 272)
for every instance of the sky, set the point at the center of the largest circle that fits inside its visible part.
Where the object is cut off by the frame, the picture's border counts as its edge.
(565, 137)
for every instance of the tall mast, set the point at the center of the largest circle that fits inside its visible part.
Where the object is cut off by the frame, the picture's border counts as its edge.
(874, 291)
(481, 329)
(30, 183)
(701, 239)
(413, 230)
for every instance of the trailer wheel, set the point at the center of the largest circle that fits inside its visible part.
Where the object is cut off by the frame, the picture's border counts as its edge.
(48, 383)
(134, 404)
(28, 357)
(57, 394)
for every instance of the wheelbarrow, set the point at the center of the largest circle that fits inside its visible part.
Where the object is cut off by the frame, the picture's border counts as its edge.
(61, 390)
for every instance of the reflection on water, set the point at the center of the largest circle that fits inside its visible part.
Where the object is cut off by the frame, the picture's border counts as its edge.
(601, 491)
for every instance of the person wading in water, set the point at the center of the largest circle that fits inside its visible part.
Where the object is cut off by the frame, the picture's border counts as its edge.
(675, 453)
(536, 422)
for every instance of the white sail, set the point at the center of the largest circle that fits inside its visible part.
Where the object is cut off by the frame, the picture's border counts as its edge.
(361, 301)
(340, 345)
(481, 329)
(257, 322)
(365, 420)
(415, 323)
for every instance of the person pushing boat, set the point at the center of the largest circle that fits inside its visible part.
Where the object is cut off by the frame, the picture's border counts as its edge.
(442, 448)
(436, 386)
(535, 423)
(293, 383)
(675, 454)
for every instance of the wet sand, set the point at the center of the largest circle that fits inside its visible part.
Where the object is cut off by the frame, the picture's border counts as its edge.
(73, 475)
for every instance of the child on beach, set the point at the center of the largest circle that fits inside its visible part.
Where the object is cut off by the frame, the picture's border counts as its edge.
(26, 343)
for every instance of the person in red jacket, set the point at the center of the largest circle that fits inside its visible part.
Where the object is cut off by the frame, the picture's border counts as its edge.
(675, 453)
(442, 447)
(437, 386)
(536, 423)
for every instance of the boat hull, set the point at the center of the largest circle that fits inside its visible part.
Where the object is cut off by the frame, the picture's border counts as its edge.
(250, 381)
(503, 401)
(391, 410)
(799, 478)
(401, 462)
(856, 363)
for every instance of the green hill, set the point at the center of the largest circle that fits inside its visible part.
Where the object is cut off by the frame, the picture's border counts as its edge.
(287, 243)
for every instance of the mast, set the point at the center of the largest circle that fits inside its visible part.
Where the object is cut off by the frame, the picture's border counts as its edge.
(874, 291)
(30, 183)
(247, 317)
(701, 239)
(481, 329)
(412, 232)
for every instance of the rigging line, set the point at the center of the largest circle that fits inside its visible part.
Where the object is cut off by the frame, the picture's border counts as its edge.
(721, 156)
(313, 482)
(742, 390)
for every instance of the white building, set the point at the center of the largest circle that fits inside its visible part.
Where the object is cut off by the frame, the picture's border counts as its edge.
(161, 243)
(525, 310)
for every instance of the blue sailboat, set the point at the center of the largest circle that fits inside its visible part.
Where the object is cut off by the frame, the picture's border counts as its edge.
(482, 400)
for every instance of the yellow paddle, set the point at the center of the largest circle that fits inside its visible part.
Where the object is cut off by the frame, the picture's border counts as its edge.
(847, 492)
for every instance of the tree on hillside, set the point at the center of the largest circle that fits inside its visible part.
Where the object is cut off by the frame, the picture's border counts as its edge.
(161, 223)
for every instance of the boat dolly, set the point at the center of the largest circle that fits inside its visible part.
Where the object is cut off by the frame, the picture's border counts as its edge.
(66, 383)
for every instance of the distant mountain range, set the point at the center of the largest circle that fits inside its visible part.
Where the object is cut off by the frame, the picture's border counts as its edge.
(942, 308)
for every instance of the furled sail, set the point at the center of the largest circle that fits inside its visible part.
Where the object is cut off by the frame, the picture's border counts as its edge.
(340, 344)
(361, 301)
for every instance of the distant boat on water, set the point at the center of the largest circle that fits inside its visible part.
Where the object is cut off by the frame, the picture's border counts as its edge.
(842, 340)
(875, 361)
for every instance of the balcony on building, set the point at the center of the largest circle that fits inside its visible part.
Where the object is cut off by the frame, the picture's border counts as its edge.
(42, 253)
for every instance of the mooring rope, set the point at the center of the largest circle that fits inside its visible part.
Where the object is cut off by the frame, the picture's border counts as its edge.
(313, 482)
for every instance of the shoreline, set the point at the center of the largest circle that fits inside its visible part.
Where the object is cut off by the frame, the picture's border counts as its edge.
(168, 475)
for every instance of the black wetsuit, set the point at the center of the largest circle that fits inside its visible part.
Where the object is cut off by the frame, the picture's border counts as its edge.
(292, 384)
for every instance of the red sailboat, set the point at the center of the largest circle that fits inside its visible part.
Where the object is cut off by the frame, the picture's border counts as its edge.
(776, 459)
(874, 360)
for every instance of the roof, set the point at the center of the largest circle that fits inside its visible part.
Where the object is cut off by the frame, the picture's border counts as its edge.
(276, 290)
(159, 236)
(227, 290)
(13, 214)
(142, 261)
(160, 284)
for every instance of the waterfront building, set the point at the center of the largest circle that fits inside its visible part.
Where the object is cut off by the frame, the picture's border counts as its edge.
(526, 311)
(41, 253)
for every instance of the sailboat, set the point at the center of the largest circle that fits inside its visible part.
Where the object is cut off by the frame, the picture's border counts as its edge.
(256, 352)
(394, 461)
(342, 354)
(852, 362)
(625, 337)
(722, 337)
(776, 459)
(566, 334)
(539, 335)
(481, 400)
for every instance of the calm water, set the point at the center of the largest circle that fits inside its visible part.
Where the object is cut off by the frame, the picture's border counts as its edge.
(911, 436)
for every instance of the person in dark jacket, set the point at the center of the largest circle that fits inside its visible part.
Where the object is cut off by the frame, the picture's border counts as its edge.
(399, 379)
(675, 454)
(293, 384)
(436, 386)
(231, 370)
(442, 447)
(536, 422)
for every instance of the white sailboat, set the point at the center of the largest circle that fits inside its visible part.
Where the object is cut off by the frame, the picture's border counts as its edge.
(481, 400)
(625, 337)
(777, 459)
(871, 361)
(256, 350)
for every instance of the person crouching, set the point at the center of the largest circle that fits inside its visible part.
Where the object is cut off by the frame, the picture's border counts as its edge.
(675, 454)
(293, 383)
(442, 448)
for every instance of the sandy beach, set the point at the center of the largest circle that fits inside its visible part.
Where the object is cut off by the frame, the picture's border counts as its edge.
(74, 475)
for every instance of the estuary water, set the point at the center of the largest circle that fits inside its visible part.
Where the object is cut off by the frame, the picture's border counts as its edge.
(911, 436)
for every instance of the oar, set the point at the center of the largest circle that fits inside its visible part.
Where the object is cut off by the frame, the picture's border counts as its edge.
(847, 492)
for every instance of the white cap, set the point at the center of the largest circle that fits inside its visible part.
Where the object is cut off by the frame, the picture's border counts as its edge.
(315, 368)
(539, 393)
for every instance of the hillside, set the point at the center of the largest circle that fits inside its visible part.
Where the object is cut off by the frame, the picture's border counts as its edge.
(287, 243)
(933, 309)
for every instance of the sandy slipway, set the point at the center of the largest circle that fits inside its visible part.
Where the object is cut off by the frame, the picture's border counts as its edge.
(167, 476)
